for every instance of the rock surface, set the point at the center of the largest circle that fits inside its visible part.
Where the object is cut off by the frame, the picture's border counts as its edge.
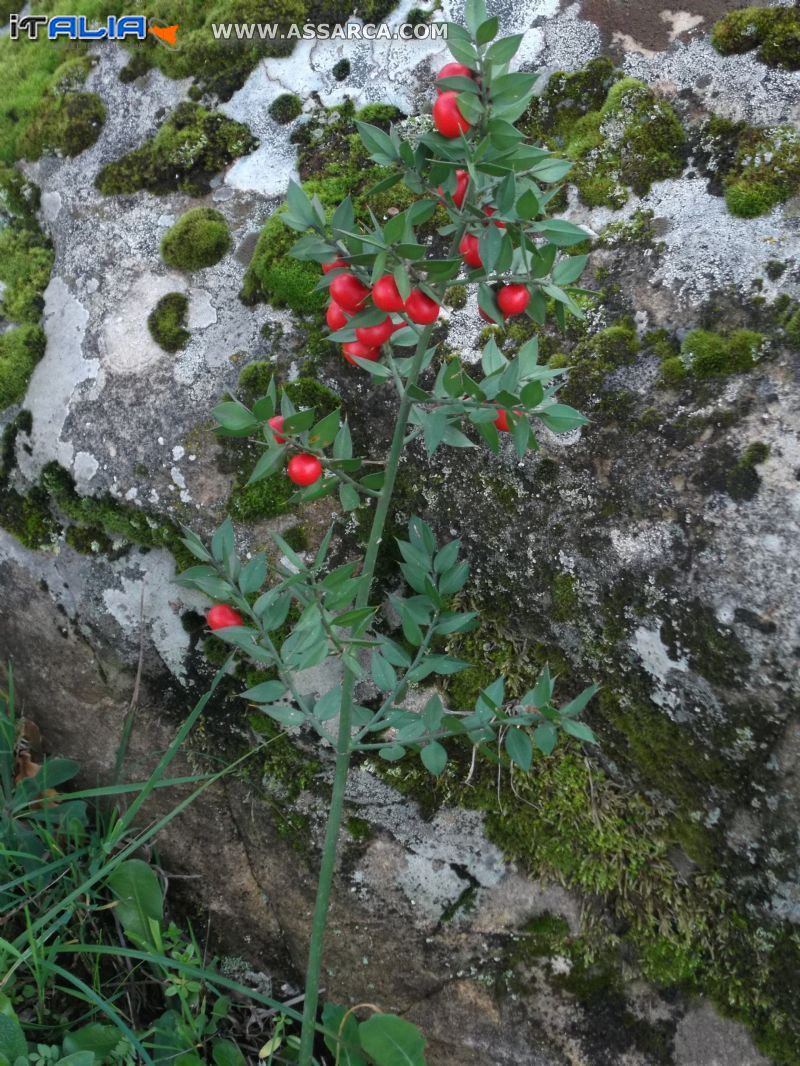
(623, 550)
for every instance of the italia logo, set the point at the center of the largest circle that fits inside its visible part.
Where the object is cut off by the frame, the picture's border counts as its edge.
(79, 28)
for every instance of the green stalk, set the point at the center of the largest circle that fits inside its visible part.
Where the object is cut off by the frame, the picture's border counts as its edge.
(343, 740)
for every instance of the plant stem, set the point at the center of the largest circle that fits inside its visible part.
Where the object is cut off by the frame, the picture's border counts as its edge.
(344, 740)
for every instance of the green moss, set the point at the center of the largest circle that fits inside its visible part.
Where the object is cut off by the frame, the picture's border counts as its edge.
(64, 122)
(167, 321)
(297, 537)
(113, 518)
(187, 151)
(632, 140)
(743, 481)
(775, 31)
(26, 259)
(359, 828)
(88, 540)
(569, 96)
(593, 358)
(764, 172)
(285, 108)
(775, 269)
(20, 351)
(564, 597)
(708, 354)
(254, 379)
(673, 371)
(199, 238)
(379, 114)
(341, 70)
(273, 276)
(456, 297)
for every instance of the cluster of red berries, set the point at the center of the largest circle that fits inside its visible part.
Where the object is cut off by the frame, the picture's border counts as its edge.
(349, 295)
(511, 299)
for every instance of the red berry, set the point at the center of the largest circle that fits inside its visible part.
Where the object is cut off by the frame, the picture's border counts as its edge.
(513, 299)
(462, 184)
(421, 308)
(386, 295)
(376, 335)
(489, 211)
(276, 422)
(469, 250)
(335, 316)
(304, 469)
(348, 292)
(360, 351)
(221, 616)
(447, 118)
(337, 264)
(454, 70)
(502, 420)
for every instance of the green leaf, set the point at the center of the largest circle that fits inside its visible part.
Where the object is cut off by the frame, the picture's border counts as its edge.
(324, 432)
(562, 234)
(560, 418)
(226, 1053)
(101, 1039)
(328, 706)
(344, 1042)
(504, 50)
(266, 692)
(141, 902)
(253, 575)
(463, 52)
(519, 748)
(577, 705)
(12, 1038)
(299, 421)
(550, 170)
(348, 497)
(354, 617)
(579, 730)
(387, 1039)
(267, 463)
(434, 757)
(454, 579)
(568, 269)
(375, 369)
(383, 673)
(487, 30)
(545, 736)
(392, 752)
(474, 17)
(379, 144)
(234, 417)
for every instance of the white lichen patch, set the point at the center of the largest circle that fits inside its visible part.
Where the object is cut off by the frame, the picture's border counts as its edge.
(658, 663)
(145, 595)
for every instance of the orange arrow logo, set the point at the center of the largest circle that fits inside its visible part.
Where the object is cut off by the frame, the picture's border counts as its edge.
(168, 34)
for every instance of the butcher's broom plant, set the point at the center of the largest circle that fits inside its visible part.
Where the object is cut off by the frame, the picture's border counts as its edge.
(386, 285)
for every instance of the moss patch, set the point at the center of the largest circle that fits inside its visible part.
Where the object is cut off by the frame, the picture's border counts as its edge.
(774, 31)
(187, 151)
(285, 108)
(707, 354)
(64, 122)
(20, 351)
(167, 322)
(619, 134)
(26, 255)
(200, 238)
(273, 276)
